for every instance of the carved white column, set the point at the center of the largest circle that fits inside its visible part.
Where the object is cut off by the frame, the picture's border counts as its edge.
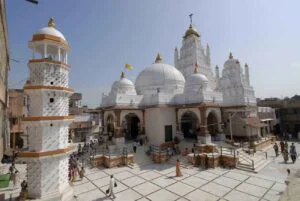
(45, 51)
(59, 59)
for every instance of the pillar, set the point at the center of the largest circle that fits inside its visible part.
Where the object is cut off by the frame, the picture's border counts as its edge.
(118, 137)
(33, 53)
(177, 125)
(66, 58)
(204, 136)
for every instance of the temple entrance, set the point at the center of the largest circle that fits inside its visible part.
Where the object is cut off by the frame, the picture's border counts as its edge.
(212, 124)
(131, 126)
(189, 125)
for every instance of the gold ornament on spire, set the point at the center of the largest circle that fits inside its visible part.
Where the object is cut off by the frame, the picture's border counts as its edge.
(122, 75)
(246, 65)
(230, 56)
(158, 58)
(51, 22)
(196, 70)
(237, 61)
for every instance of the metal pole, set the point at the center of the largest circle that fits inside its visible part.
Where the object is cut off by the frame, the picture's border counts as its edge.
(230, 127)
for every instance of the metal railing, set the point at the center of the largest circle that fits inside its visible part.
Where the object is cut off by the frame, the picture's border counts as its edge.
(245, 160)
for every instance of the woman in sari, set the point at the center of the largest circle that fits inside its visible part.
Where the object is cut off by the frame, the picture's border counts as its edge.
(178, 172)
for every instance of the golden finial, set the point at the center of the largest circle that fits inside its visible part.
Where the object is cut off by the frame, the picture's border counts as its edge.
(122, 75)
(246, 65)
(158, 58)
(217, 66)
(237, 61)
(196, 70)
(230, 56)
(51, 22)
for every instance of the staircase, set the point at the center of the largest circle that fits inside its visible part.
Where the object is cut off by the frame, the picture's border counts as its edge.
(252, 163)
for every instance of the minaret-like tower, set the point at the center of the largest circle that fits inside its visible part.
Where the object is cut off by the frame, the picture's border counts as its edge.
(247, 74)
(48, 119)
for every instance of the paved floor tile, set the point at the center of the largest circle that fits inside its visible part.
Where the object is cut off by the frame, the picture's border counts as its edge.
(91, 195)
(150, 175)
(143, 199)
(194, 181)
(172, 175)
(180, 188)
(97, 175)
(92, 170)
(79, 182)
(123, 175)
(272, 195)
(218, 171)
(101, 182)
(260, 182)
(146, 188)
(279, 187)
(133, 181)
(138, 171)
(163, 181)
(226, 181)
(116, 170)
(128, 195)
(237, 176)
(163, 195)
(216, 189)
(83, 188)
(190, 171)
(206, 175)
(201, 195)
(182, 199)
(119, 188)
(252, 189)
(165, 171)
(238, 196)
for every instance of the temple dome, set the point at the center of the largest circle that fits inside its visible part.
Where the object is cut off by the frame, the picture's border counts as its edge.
(196, 82)
(50, 30)
(231, 62)
(160, 77)
(123, 86)
(191, 31)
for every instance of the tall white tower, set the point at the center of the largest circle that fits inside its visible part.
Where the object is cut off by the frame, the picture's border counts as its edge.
(48, 119)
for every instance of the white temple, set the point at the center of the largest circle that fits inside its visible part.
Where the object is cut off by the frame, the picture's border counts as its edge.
(186, 98)
(48, 120)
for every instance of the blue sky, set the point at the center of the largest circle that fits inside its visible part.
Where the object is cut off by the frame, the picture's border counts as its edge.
(104, 35)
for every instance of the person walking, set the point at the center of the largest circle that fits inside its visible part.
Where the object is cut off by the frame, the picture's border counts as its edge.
(275, 147)
(285, 155)
(286, 146)
(112, 184)
(134, 146)
(14, 179)
(281, 146)
(178, 172)
(81, 173)
(293, 152)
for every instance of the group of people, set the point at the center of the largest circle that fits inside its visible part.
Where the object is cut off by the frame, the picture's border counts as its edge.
(139, 142)
(286, 150)
(74, 169)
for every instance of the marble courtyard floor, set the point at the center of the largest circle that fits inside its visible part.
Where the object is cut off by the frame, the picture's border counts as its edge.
(148, 181)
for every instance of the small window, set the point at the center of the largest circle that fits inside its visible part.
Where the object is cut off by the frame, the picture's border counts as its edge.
(51, 83)
(51, 100)
(51, 125)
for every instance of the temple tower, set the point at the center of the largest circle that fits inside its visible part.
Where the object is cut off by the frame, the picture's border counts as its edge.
(48, 118)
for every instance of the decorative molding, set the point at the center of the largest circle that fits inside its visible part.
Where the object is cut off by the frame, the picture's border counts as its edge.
(28, 154)
(47, 37)
(63, 65)
(48, 118)
(38, 87)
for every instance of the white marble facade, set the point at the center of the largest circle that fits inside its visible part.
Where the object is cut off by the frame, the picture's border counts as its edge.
(191, 81)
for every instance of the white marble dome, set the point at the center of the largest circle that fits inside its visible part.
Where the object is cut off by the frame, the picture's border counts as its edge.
(231, 62)
(160, 77)
(196, 82)
(123, 86)
(50, 30)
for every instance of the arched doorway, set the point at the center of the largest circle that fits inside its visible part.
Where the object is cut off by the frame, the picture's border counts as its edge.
(189, 125)
(212, 123)
(131, 126)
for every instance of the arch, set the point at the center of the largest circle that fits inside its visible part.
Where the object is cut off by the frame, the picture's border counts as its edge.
(182, 111)
(138, 113)
(213, 117)
(189, 124)
(131, 126)
(110, 126)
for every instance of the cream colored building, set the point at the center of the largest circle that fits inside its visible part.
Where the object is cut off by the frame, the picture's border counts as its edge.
(190, 99)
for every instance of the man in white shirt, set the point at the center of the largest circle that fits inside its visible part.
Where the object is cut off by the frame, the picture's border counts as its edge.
(112, 184)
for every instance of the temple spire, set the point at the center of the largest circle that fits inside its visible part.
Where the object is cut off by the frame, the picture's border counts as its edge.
(230, 56)
(191, 18)
(158, 58)
(122, 75)
(51, 22)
